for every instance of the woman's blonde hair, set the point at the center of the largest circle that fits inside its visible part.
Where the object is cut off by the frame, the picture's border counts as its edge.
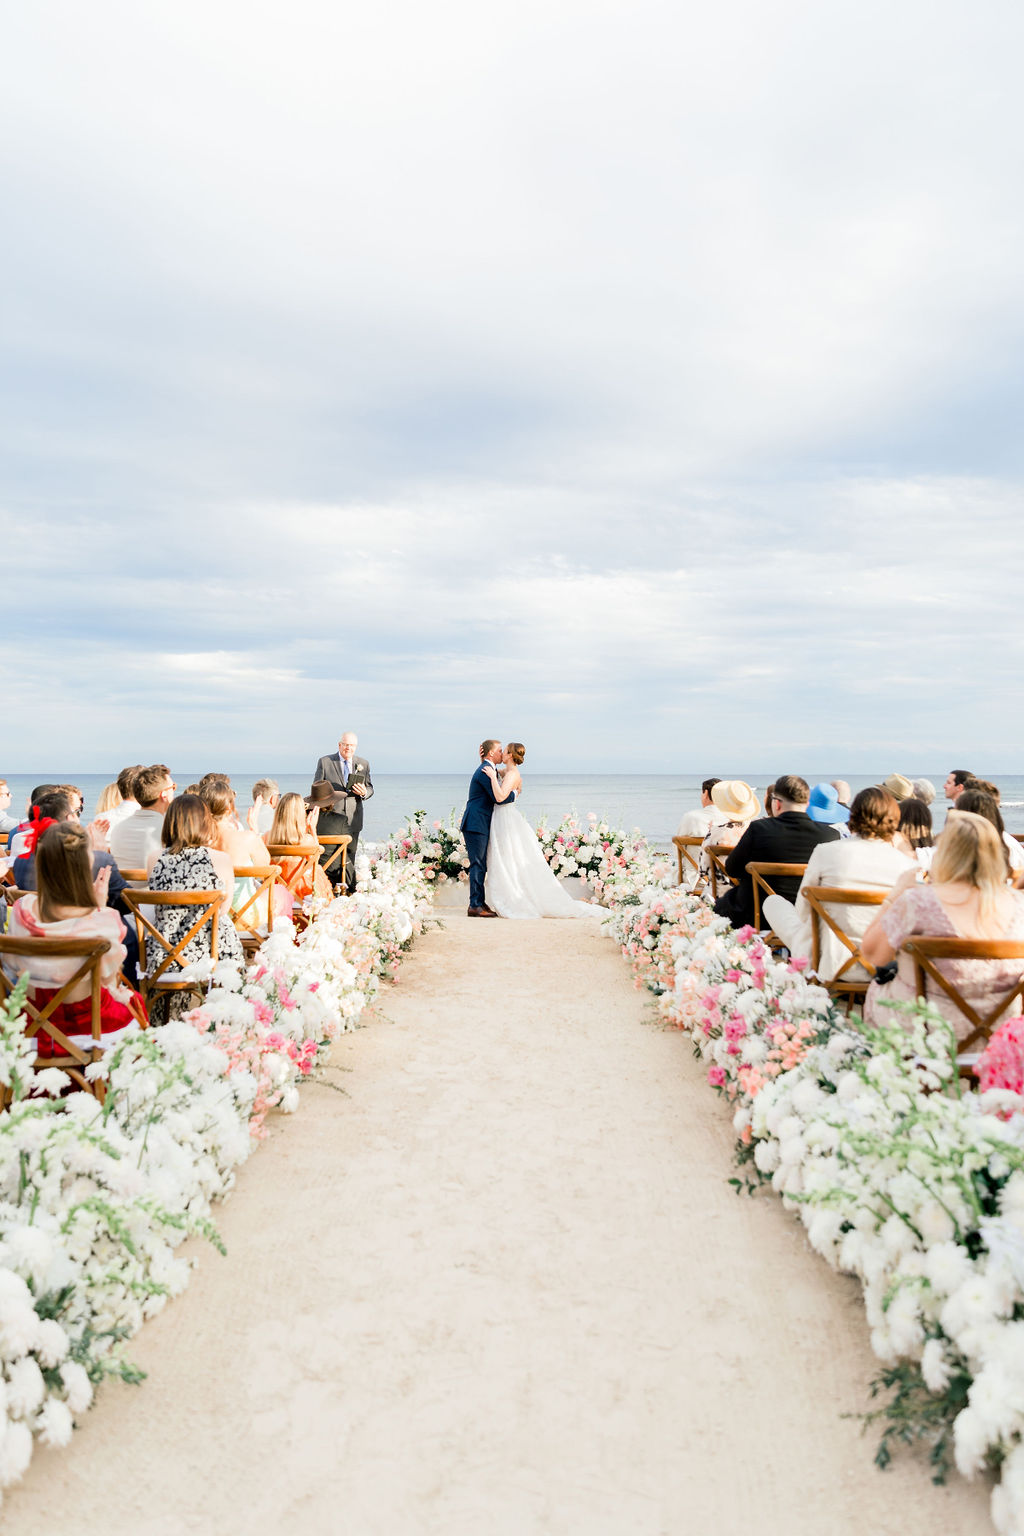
(970, 851)
(290, 825)
(64, 870)
(109, 797)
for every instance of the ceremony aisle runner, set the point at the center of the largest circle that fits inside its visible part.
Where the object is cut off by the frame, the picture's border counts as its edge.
(499, 1285)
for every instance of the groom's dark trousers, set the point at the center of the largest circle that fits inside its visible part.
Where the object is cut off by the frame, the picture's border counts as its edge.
(476, 830)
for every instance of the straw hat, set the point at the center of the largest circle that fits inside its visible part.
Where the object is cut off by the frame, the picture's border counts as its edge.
(899, 787)
(735, 800)
(823, 805)
(321, 795)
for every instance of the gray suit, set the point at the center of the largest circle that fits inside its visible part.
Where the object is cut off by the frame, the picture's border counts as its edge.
(347, 815)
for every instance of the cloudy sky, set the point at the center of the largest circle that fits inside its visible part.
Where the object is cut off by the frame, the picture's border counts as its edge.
(626, 378)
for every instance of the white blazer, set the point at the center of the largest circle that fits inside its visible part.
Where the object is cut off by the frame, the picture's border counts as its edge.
(859, 864)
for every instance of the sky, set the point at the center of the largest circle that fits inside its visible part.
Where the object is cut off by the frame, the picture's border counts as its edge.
(642, 382)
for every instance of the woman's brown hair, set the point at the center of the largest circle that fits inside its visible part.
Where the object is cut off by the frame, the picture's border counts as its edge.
(187, 824)
(290, 825)
(516, 752)
(874, 813)
(916, 823)
(64, 870)
(220, 800)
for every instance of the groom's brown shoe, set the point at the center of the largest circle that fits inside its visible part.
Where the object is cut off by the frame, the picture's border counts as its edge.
(480, 912)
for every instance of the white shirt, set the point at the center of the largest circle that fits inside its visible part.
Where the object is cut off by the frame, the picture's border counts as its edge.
(1015, 851)
(119, 813)
(696, 823)
(136, 838)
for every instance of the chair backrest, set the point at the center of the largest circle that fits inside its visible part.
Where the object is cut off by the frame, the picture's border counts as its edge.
(925, 952)
(133, 876)
(820, 898)
(303, 871)
(717, 854)
(340, 846)
(762, 873)
(685, 855)
(171, 954)
(248, 914)
(70, 1057)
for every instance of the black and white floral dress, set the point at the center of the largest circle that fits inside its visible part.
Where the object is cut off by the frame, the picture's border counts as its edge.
(190, 870)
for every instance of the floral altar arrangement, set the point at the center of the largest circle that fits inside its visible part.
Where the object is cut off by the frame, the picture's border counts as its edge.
(901, 1175)
(95, 1197)
(439, 849)
(579, 847)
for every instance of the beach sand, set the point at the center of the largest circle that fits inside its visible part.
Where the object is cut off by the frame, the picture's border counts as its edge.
(499, 1287)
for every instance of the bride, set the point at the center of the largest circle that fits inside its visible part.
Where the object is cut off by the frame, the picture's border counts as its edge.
(519, 881)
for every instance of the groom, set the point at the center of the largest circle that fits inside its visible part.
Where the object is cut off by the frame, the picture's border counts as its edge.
(476, 827)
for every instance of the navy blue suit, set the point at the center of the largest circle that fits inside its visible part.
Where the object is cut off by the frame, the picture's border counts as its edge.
(476, 829)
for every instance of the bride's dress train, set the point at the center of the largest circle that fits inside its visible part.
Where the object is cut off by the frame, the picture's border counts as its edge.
(519, 880)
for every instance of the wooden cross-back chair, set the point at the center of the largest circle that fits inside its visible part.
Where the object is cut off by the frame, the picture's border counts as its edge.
(165, 980)
(248, 915)
(719, 876)
(133, 876)
(340, 846)
(685, 856)
(926, 952)
(299, 880)
(820, 898)
(762, 872)
(71, 1055)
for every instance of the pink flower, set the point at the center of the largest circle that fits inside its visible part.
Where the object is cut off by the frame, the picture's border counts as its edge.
(716, 1076)
(798, 963)
(733, 975)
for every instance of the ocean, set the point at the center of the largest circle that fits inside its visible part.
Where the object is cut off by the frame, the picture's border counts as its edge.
(653, 802)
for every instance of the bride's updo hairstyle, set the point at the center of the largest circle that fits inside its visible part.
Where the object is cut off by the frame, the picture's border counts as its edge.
(516, 752)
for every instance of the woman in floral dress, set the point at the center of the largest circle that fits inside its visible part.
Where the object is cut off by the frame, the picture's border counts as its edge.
(188, 863)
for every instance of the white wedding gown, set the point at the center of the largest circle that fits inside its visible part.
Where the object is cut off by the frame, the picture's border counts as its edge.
(519, 881)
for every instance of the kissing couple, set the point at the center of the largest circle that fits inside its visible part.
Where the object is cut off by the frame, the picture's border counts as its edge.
(508, 874)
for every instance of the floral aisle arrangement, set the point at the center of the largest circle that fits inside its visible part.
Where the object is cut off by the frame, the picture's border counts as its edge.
(96, 1197)
(578, 846)
(439, 849)
(901, 1176)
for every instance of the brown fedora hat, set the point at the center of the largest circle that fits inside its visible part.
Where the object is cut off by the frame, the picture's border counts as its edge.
(320, 796)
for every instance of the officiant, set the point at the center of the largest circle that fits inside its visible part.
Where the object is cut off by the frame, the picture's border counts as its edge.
(349, 778)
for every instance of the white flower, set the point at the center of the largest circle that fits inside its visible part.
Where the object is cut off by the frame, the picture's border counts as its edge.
(25, 1387)
(948, 1267)
(15, 1452)
(77, 1386)
(52, 1345)
(54, 1423)
(935, 1366)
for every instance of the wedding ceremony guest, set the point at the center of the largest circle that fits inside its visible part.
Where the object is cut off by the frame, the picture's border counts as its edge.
(966, 897)
(265, 798)
(241, 846)
(109, 799)
(7, 821)
(128, 804)
(295, 827)
(16, 840)
(696, 823)
(842, 790)
(137, 836)
(914, 836)
(349, 778)
(788, 838)
(188, 861)
(76, 797)
(737, 806)
(955, 781)
(898, 786)
(865, 861)
(769, 792)
(824, 805)
(924, 790)
(973, 798)
(68, 905)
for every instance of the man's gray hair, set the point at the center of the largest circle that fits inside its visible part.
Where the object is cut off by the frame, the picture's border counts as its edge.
(924, 790)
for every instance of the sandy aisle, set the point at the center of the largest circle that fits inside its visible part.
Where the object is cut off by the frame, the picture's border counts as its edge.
(501, 1288)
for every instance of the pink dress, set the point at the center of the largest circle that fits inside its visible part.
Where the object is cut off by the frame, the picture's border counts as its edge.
(919, 911)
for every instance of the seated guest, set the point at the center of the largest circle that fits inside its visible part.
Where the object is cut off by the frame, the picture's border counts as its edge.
(135, 838)
(864, 861)
(242, 847)
(914, 836)
(66, 905)
(736, 805)
(825, 805)
(924, 790)
(899, 787)
(76, 797)
(7, 821)
(842, 790)
(265, 798)
(294, 827)
(330, 824)
(128, 804)
(788, 838)
(981, 803)
(696, 823)
(16, 840)
(769, 792)
(190, 862)
(55, 808)
(967, 898)
(955, 781)
(99, 827)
